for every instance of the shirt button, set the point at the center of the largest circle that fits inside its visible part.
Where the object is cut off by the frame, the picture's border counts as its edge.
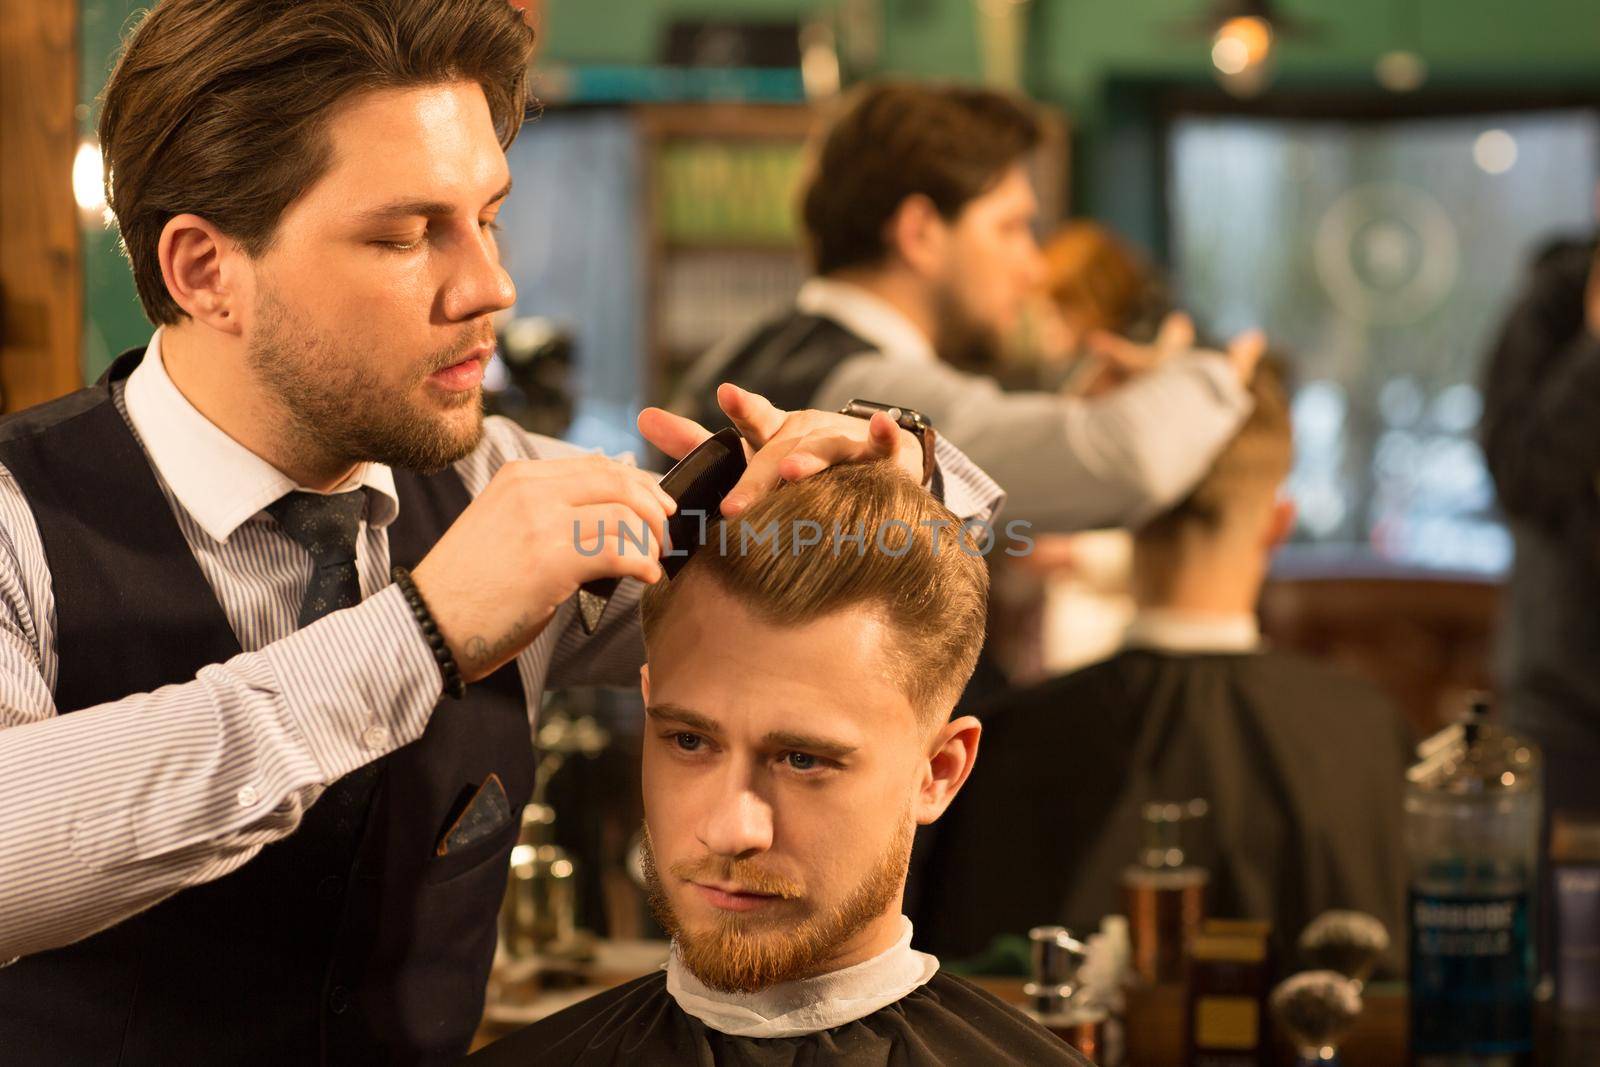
(328, 888)
(338, 999)
(247, 796)
(375, 737)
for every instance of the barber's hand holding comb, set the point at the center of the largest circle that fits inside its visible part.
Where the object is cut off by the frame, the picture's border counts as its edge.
(785, 445)
(524, 545)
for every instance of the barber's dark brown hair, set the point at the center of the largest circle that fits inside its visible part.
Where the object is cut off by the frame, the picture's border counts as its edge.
(892, 140)
(219, 107)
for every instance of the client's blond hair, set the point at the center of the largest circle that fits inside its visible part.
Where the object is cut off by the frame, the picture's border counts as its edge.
(934, 599)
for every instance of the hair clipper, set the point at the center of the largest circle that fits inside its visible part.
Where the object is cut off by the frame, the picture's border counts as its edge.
(697, 482)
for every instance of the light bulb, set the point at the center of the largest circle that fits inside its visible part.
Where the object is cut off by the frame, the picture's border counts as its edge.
(1401, 71)
(1495, 151)
(88, 180)
(1241, 51)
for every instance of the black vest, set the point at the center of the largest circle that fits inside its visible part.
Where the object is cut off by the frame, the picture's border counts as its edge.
(785, 360)
(337, 944)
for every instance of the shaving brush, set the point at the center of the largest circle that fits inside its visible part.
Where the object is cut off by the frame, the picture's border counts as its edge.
(1316, 1009)
(1349, 942)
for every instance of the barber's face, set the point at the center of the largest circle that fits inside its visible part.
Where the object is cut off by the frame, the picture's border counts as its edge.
(371, 319)
(782, 767)
(992, 265)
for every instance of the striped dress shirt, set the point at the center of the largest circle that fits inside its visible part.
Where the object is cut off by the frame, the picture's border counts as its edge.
(111, 809)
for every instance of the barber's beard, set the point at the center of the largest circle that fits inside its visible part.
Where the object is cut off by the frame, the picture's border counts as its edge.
(960, 338)
(339, 413)
(743, 954)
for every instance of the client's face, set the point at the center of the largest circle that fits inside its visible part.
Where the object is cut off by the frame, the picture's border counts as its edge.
(782, 771)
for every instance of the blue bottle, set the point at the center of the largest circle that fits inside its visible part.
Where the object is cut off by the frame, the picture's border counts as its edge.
(1472, 836)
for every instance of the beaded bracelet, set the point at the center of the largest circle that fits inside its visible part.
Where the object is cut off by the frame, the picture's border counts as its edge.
(454, 687)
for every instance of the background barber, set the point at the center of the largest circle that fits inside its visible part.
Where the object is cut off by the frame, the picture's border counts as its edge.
(918, 215)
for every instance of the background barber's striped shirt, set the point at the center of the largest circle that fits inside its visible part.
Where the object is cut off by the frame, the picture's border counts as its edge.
(112, 809)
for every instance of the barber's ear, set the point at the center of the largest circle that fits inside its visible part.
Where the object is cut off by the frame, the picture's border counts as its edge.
(917, 235)
(206, 273)
(953, 751)
(644, 683)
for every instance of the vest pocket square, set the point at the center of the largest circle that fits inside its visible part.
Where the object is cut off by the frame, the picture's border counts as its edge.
(485, 814)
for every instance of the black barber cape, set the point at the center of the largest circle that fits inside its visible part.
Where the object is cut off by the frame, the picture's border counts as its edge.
(947, 1022)
(1302, 765)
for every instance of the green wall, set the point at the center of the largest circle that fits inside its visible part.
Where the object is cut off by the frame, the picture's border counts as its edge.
(1076, 45)
(113, 320)
(1105, 61)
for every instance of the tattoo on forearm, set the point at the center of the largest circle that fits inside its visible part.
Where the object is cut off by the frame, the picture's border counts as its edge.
(481, 651)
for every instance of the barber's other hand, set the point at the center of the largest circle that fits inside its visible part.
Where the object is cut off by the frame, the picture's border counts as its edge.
(525, 544)
(1125, 358)
(787, 445)
(1121, 359)
(1176, 337)
(1244, 354)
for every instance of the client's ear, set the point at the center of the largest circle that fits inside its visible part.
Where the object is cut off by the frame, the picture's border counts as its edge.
(950, 757)
(644, 683)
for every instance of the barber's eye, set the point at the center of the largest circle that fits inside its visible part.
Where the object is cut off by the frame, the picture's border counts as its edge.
(400, 246)
(687, 742)
(802, 761)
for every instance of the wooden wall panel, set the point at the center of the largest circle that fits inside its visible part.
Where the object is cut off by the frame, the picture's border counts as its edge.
(41, 274)
(1426, 641)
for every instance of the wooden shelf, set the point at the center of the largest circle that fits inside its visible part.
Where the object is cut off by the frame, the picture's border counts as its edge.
(662, 128)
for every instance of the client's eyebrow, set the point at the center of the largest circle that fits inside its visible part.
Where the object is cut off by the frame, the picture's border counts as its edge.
(784, 739)
(405, 209)
(821, 746)
(683, 717)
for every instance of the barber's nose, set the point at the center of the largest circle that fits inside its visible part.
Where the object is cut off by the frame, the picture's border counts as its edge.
(739, 825)
(1033, 264)
(481, 285)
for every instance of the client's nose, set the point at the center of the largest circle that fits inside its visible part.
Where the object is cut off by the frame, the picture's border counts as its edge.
(738, 825)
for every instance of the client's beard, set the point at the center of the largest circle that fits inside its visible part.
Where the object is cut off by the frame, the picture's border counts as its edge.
(737, 955)
(337, 411)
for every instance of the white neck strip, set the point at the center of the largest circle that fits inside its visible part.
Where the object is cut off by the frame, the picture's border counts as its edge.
(807, 1005)
(1194, 633)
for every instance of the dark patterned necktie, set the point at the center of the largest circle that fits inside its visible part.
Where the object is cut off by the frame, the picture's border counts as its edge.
(325, 526)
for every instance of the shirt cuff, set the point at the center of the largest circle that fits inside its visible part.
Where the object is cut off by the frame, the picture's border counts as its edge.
(969, 493)
(358, 683)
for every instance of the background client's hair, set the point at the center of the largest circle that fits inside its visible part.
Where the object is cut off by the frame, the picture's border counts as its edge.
(218, 107)
(1243, 481)
(933, 601)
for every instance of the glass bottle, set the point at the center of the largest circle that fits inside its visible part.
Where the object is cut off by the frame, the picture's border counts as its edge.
(1472, 812)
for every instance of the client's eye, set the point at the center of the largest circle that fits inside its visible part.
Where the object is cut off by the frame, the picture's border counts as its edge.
(687, 742)
(802, 761)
